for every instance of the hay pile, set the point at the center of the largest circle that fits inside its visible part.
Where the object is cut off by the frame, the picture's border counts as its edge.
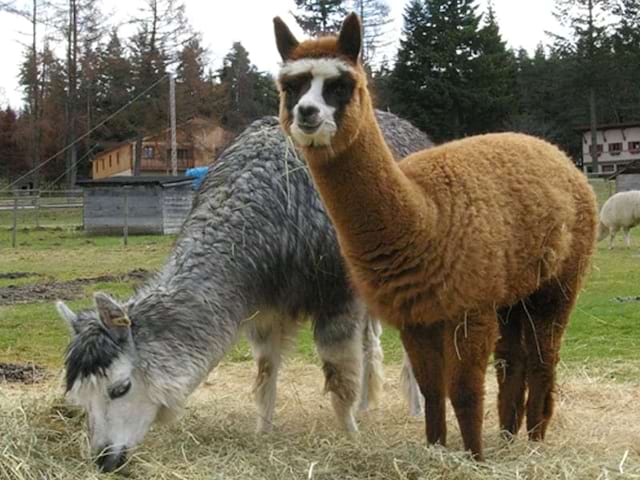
(595, 434)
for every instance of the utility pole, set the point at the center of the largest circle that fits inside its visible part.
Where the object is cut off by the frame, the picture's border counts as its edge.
(593, 126)
(172, 110)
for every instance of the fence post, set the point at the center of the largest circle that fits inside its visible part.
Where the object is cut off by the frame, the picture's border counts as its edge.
(126, 216)
(15, 221)
(38, 209)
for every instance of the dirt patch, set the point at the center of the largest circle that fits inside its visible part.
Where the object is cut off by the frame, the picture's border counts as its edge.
(15, 373)
(16, 275)
(69, 290)
(627, 299)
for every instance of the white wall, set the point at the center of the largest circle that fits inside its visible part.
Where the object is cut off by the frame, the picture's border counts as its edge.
(605, 138)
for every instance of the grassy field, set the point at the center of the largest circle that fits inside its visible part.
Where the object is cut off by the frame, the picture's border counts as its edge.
(605, 327)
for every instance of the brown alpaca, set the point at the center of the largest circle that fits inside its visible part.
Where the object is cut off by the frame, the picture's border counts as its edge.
(488, 233)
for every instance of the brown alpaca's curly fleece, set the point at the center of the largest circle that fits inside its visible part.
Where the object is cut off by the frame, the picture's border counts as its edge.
(455, 244)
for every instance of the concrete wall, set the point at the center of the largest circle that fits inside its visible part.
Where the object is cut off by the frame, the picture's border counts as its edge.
(626, 182)
(104, 210)
(176, 205)
(153, 209)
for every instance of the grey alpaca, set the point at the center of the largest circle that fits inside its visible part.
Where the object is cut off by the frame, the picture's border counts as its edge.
(257, 254)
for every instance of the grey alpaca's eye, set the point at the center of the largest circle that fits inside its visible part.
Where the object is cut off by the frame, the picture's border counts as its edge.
(119, 390)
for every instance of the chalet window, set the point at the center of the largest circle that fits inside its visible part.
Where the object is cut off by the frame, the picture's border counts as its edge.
(608, 168)
(634, 147)
(599, 149)
(102, 164)
(110, 164)
(615, 148)
(117, 158)
(589, 169)
(184, 154)
(148, 153)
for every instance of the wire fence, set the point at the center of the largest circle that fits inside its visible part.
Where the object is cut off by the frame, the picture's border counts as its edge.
(21, 209)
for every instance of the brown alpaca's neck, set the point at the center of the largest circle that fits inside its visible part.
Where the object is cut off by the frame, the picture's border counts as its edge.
(369, 199)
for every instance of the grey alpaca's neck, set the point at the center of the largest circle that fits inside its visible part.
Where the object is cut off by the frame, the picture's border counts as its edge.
(183, 327)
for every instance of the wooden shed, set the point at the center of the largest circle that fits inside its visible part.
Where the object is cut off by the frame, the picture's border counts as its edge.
(627, 178)
(148, 205)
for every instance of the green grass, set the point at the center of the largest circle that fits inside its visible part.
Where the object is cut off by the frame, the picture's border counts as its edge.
(602, 331)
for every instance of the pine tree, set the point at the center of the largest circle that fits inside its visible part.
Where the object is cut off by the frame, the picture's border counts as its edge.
(248, 93)
(624, 69)
(12, 159)
(192, 86)
(432, 76)
(317, 17)
(588, 45)
(492, 78)
(113, 84)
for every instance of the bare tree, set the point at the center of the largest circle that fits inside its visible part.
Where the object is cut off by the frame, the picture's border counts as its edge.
(375, 18)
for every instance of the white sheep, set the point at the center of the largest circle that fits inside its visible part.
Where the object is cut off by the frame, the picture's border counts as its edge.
(621, 211)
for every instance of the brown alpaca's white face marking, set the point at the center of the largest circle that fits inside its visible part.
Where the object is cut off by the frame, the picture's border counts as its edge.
(317, 81)
(316, 91)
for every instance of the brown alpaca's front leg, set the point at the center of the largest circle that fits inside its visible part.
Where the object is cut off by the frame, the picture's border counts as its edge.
(424, 346)
(468, 345)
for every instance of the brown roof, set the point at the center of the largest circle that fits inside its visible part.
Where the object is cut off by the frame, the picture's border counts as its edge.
(195, 120)
(608, 126)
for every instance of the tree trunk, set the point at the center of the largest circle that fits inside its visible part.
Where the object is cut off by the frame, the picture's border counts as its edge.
(594, 129)
(137, 155)
(35, 112)
(71, 104)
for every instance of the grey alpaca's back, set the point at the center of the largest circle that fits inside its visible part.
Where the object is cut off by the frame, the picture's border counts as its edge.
(259, 201)
(260, 248)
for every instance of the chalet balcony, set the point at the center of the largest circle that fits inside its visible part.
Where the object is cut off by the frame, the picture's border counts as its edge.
(161, 164)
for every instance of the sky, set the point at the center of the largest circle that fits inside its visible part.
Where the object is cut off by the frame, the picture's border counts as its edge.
(221, 22)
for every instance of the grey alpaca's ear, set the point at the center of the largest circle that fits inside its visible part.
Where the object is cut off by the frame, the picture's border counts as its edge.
(68, 316)
(284, 38)
(113, 316)
(350, 38)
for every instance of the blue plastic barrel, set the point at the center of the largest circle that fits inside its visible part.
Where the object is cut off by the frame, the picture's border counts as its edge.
(199, 173)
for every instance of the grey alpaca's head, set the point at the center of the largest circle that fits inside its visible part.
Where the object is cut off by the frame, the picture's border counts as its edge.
(101, 377)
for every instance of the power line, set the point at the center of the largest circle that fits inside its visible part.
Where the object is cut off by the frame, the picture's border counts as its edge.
(86, 134)
(74, 165)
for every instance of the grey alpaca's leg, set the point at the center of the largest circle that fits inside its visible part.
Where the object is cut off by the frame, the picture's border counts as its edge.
(268, 336)
(339, 342)
(372, 369)
(410, 388)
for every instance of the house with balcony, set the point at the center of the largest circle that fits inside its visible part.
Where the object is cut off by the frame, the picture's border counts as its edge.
(199, 141)
(618, 146)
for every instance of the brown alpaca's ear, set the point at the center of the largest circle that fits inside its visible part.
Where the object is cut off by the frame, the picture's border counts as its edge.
(284, 38)
(350, 38)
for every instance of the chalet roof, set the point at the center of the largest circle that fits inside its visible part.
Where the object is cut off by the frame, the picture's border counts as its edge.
(609, 126)
(123, 181)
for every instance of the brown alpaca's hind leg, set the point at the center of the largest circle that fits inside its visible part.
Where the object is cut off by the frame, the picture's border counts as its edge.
(424, 347)
(511, 361)
(547, 313)
(467, 348)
